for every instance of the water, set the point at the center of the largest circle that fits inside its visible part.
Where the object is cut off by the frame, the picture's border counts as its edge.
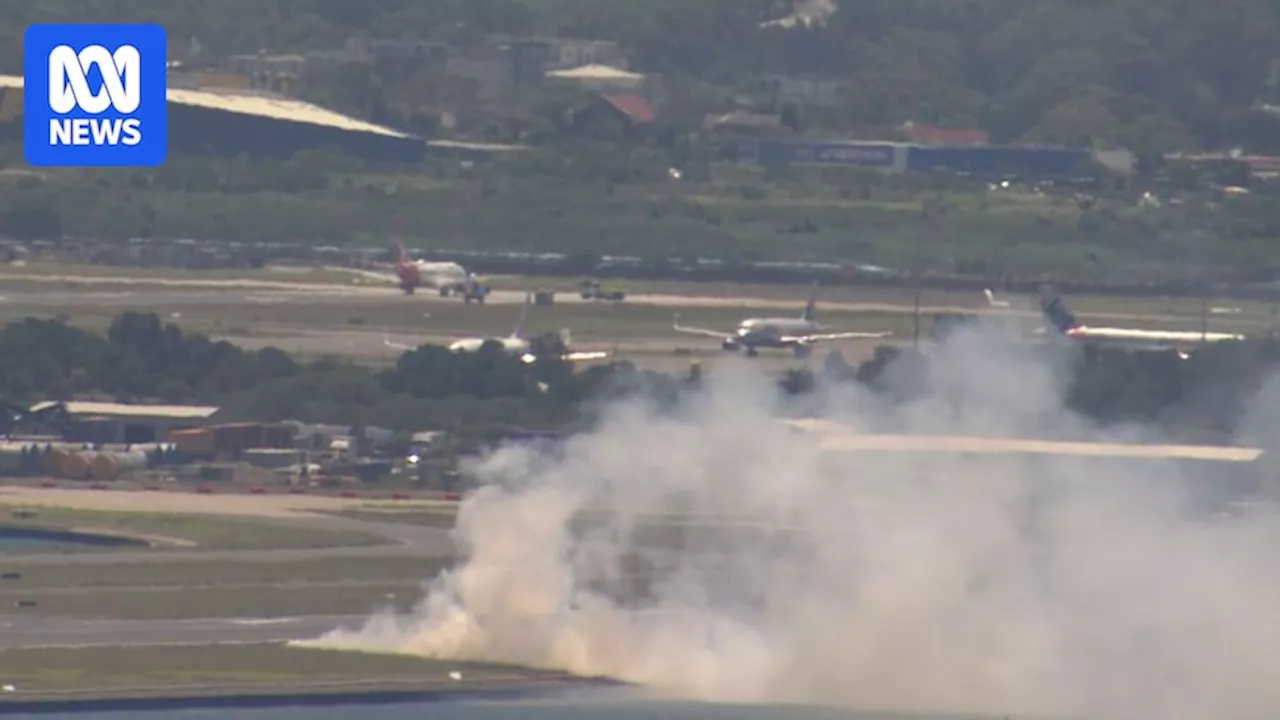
(21, 544)
(29, 540)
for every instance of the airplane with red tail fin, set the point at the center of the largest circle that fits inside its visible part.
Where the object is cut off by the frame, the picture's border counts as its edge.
(447, 278)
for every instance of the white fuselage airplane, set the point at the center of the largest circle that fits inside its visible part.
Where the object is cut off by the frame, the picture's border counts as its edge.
(515, 344)
(798, 334)
(1064, 323)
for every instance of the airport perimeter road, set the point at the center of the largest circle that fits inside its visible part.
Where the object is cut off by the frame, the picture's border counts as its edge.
(18, 632)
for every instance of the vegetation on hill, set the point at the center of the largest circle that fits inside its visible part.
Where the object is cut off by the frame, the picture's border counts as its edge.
(1155, 76)
(484, 394)
(1150, 74)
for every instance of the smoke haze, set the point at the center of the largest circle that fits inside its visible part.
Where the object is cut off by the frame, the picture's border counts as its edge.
(1041, 585)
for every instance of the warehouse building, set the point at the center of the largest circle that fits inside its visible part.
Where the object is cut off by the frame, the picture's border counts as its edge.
(234, 121)
(119, 423)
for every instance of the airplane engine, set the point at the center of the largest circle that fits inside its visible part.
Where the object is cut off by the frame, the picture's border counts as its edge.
(802, 351)
(730, 345)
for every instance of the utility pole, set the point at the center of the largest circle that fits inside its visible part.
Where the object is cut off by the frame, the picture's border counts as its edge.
(1204, 313)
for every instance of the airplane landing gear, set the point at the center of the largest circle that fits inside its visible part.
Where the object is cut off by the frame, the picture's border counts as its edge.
(751, 352)
(802, 351)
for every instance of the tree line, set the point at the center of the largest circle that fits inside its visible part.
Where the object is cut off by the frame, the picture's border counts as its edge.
(140, 359)
(1155, 75)
(488, 393)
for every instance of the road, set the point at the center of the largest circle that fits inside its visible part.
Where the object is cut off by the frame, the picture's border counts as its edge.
(18, 632)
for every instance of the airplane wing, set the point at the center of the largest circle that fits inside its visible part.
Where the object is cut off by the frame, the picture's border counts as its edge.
(388, 277)
(719, 335)
(386, 340)
(827, 337)
(530, 358)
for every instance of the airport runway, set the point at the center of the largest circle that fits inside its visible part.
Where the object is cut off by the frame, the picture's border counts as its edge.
(42, 289)
(124, 290)
(18, 632)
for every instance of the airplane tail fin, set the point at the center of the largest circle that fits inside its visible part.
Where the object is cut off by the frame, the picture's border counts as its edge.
(518, 333)
(810, 306)
(397, 244)
(1056, 312)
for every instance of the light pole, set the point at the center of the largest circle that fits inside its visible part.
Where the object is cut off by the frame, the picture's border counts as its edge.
(915, 308)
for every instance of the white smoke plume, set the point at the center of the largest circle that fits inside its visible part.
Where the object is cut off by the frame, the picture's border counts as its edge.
(1062, 586)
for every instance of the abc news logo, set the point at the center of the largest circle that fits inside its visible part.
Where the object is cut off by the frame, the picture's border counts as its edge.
(95, 95)
(69, 92)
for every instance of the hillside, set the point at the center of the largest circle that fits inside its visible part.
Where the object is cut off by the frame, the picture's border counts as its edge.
(1148, 74)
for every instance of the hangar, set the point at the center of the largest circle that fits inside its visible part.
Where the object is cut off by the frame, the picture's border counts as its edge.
(119, 423)
(237, 121)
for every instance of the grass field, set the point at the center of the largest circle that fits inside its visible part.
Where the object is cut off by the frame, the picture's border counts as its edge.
(41, 576)
(205, 532)
(430, 518)
(128, 671)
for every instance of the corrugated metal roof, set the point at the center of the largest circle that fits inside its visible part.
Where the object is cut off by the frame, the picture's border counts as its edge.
(476, 146)
(122, 409)
(259, 105)
(837, 437)
(595, 72)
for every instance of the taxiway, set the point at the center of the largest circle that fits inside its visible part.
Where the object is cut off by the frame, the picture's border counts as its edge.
(24, 631)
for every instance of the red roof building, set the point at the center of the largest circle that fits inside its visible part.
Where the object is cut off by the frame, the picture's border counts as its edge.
(631, 105)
